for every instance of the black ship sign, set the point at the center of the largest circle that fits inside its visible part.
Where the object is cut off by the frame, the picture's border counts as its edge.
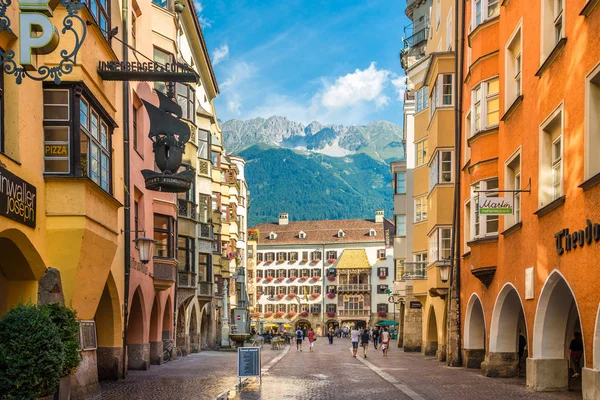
(169, 135)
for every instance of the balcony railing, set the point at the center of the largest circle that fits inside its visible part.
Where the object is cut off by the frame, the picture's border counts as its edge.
(186, 209)
(414, 270)
(353, 313)
(186, 280)
(361, 287)
(416, 38)
(205, 289)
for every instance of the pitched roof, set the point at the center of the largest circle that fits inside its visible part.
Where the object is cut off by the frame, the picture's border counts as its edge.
(353, 259)
(324, 231)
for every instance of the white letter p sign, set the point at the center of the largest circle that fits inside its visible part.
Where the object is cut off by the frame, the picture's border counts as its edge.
(36, 35)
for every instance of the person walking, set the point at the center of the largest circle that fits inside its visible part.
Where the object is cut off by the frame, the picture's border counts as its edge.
(385, 341)
(354, 337)
(576, 348)
(364, 339)
(299, 337)
(311, 339)
(330, 335)
(375, 337)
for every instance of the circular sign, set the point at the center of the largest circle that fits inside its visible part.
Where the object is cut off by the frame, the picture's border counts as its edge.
(239, 317)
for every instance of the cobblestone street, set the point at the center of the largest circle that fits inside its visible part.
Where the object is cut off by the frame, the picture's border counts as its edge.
(328, 373)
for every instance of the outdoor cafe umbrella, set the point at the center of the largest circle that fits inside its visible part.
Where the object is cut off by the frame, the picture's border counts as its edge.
(387, 322)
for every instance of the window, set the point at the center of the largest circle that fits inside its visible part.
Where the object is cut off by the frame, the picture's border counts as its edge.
(259, 257)
(316, 255)
(332, 255)
(381, 254)
(161, 3)
(134, 30)
(558, 20)
(438, 14)
(204, 208)
(482, 10)
(203, 144)
(101, 13)
(381, 289)
(449, 30)
(185, 253)
(305, 272)
(420, 268)
(440, 243)
(330, 308)
(400, 225)
(372, 232)
(302, 235)
(136, 219)
(281, 273)
(93, 157)
(420, 208)
(485, 105)
(382, 271)
(270, 273)
(512, 181)
(293, 256)
(592, 124)
(281, 256)
(422, 152)
(134, 123)
(164, 236)
(305, 255)
(204, 268)
(259, 273)
(272, 236)
(483, 225)
(270, 256)
(186, 98)
(281, 307)
(315, 289)
(216, 245)
(513, 68)
(551, 158)
(316, 272)
(400, 183)
(552, 22)
(382, 307)
(446, 166)
(340, 233)
(215, 159)
(441, 95)
(422, 98)
(162, 57)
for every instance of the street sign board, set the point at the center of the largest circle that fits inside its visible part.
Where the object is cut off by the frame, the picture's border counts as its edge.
(248, 362)
(496, 205)
(415, 304)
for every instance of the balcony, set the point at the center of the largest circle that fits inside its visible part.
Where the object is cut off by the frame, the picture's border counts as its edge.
(186, 209)
(164, 275)
(353, 313)
(186, 280)
(205, 289)
(360, 287)
(414, 44)
(414, 270)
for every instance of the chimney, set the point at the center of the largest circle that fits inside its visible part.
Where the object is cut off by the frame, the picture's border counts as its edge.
(378, 216)
(283, 218)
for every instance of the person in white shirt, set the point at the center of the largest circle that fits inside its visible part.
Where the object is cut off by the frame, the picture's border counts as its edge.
(354, 335)
(385, 341)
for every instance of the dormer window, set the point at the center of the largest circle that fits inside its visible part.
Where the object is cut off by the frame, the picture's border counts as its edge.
(372, 232)
(302, 235)
(341, 233)
(272, 236)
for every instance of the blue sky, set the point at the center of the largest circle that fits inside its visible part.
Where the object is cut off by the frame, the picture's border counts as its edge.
(335, 61)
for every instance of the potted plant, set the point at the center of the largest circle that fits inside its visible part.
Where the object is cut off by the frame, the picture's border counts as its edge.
(291, 314)
(292, 295)
(331, 278)
(382, 276)
(331, 260)
(293, 261)
(280, 261)
(292, 278)
(259, 295)
(383, 258)
(269, 278)
(304, 278)
(304, 314)
(35, 347)
(279, 314)
(331, 295)
(258, 279)
(257, 315)
(280, 296)
(280, 278)
(382, 314)
(304, 260)
(269, 262)
(316, 278)
(315, 295)
(315, 260)
(268, 314)
(331, 314)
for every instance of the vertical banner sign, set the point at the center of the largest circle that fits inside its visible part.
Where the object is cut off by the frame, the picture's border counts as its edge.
(496, 205)
(248, 362)
(17, 199)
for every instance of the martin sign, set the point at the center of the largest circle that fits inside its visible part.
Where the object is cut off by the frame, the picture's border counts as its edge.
(17, 199)
(38, 36)
(495, 205)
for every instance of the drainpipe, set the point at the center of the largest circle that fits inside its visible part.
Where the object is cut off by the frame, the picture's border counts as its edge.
(126, 179)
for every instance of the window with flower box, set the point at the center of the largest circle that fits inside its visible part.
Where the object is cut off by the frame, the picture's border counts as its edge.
(270, 308)
(270, 257)
(315, 289)
(293, 308)
(316, 255)
(281, 289)
(259, 273)
(305, 272)
(293, 256)
(293, 272)
(270, 291)
(381, 254)
(281, 256)
(381, 289)
(269, 273)
(382, 271)
(281, 273)
(259, 257)
(293, 289)
(331, 288)
(332, 255)
(305, 255)
(281, 308)
(331, 308)
(316, 272)
(382, 307)
(315, 308)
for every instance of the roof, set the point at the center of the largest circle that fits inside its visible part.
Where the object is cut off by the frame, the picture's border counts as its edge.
(324, 231)
(353, 259)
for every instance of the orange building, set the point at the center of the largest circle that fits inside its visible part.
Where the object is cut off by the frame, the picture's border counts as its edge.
(531, 134)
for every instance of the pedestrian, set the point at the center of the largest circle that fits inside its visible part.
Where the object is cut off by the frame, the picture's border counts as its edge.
(354, 337)
(375, 337)
(339, 332)
(385, 341)
(311, 339)
(299, 337)
(365, 342)
(576, 349)
(330, 335)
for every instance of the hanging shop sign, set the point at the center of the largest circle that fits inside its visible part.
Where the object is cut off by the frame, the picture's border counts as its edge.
(145, 72)
(415, 304)
(567, 241)
(37, 36)
(496, 205)
(17, 199)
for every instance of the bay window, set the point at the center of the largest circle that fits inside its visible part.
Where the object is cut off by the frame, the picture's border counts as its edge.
(483, 10)
(513, 67)
(203, 144)
(446, 166)
(185, 253)
(422, 152)
(483, 225)
(420, 208)
(485, 105)
(400, 225)
(422, 97)
(164, 236)
(551, 158)
(441, 95)
(163, 58)
(101, 13)
(440, 243)
(512, 181)
(186, 98)
(88, 153)
(400, 183)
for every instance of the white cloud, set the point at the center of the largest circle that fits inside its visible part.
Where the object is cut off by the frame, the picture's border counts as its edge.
(400, 86)
(220, 54)
(234, 106)
(358, 87)
(240, 72)
(204, 22)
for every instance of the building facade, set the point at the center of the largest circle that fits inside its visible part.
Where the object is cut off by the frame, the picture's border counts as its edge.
(530, 135)
(324, 274)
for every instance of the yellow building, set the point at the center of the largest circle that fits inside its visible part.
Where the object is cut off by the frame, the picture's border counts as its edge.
(65, 142)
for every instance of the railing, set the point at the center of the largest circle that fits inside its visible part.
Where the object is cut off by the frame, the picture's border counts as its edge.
(186, 209)
(414, 270)
(361, 287)
(186, 279)
(353, 313)
(205, 231)
(206, 289)
(416, 38)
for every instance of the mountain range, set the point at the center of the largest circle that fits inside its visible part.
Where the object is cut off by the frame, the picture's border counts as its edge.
(315, 171)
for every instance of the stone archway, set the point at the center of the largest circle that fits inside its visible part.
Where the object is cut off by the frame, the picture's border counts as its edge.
(138, 352)
(431, 344)
(156, 345)
(109, 328)
(506, 345)
(556, 319)
(181, 337)
(205, 328)
(194, 330)
(167, 320)
(474, 351)
(302, 324)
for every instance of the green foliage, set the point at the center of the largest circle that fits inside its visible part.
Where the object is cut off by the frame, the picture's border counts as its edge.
(31, 353)
(65, 321)
(315, 186)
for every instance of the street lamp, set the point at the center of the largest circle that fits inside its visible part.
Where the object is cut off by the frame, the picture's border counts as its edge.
(145, 248)
(444, 270)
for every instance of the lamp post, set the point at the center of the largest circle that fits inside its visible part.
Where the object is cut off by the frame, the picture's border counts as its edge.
(145, 248)
(444, 270)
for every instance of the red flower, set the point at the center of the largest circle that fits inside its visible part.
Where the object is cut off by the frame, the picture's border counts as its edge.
(292, 295)
(279, 314)
(331, 278)
(268, 314)
(382, 313)
(382, 276)
(258, 279)
(257, 315)
(331, 314)
(316, 260)
(291, 314)
(280, 296)
(258, 296)
(331, 295)
(303, 278)
(315, 295)
(316, 278)
(269, 278)
(331, 260)
(280, 278)
(304, 314)
(292, 278)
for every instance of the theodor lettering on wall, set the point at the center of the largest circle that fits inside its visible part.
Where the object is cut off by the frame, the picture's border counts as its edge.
(567, 241)
(37, 35)
(17, 199)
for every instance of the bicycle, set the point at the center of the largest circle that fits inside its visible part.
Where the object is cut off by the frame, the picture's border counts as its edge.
(171, 352)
